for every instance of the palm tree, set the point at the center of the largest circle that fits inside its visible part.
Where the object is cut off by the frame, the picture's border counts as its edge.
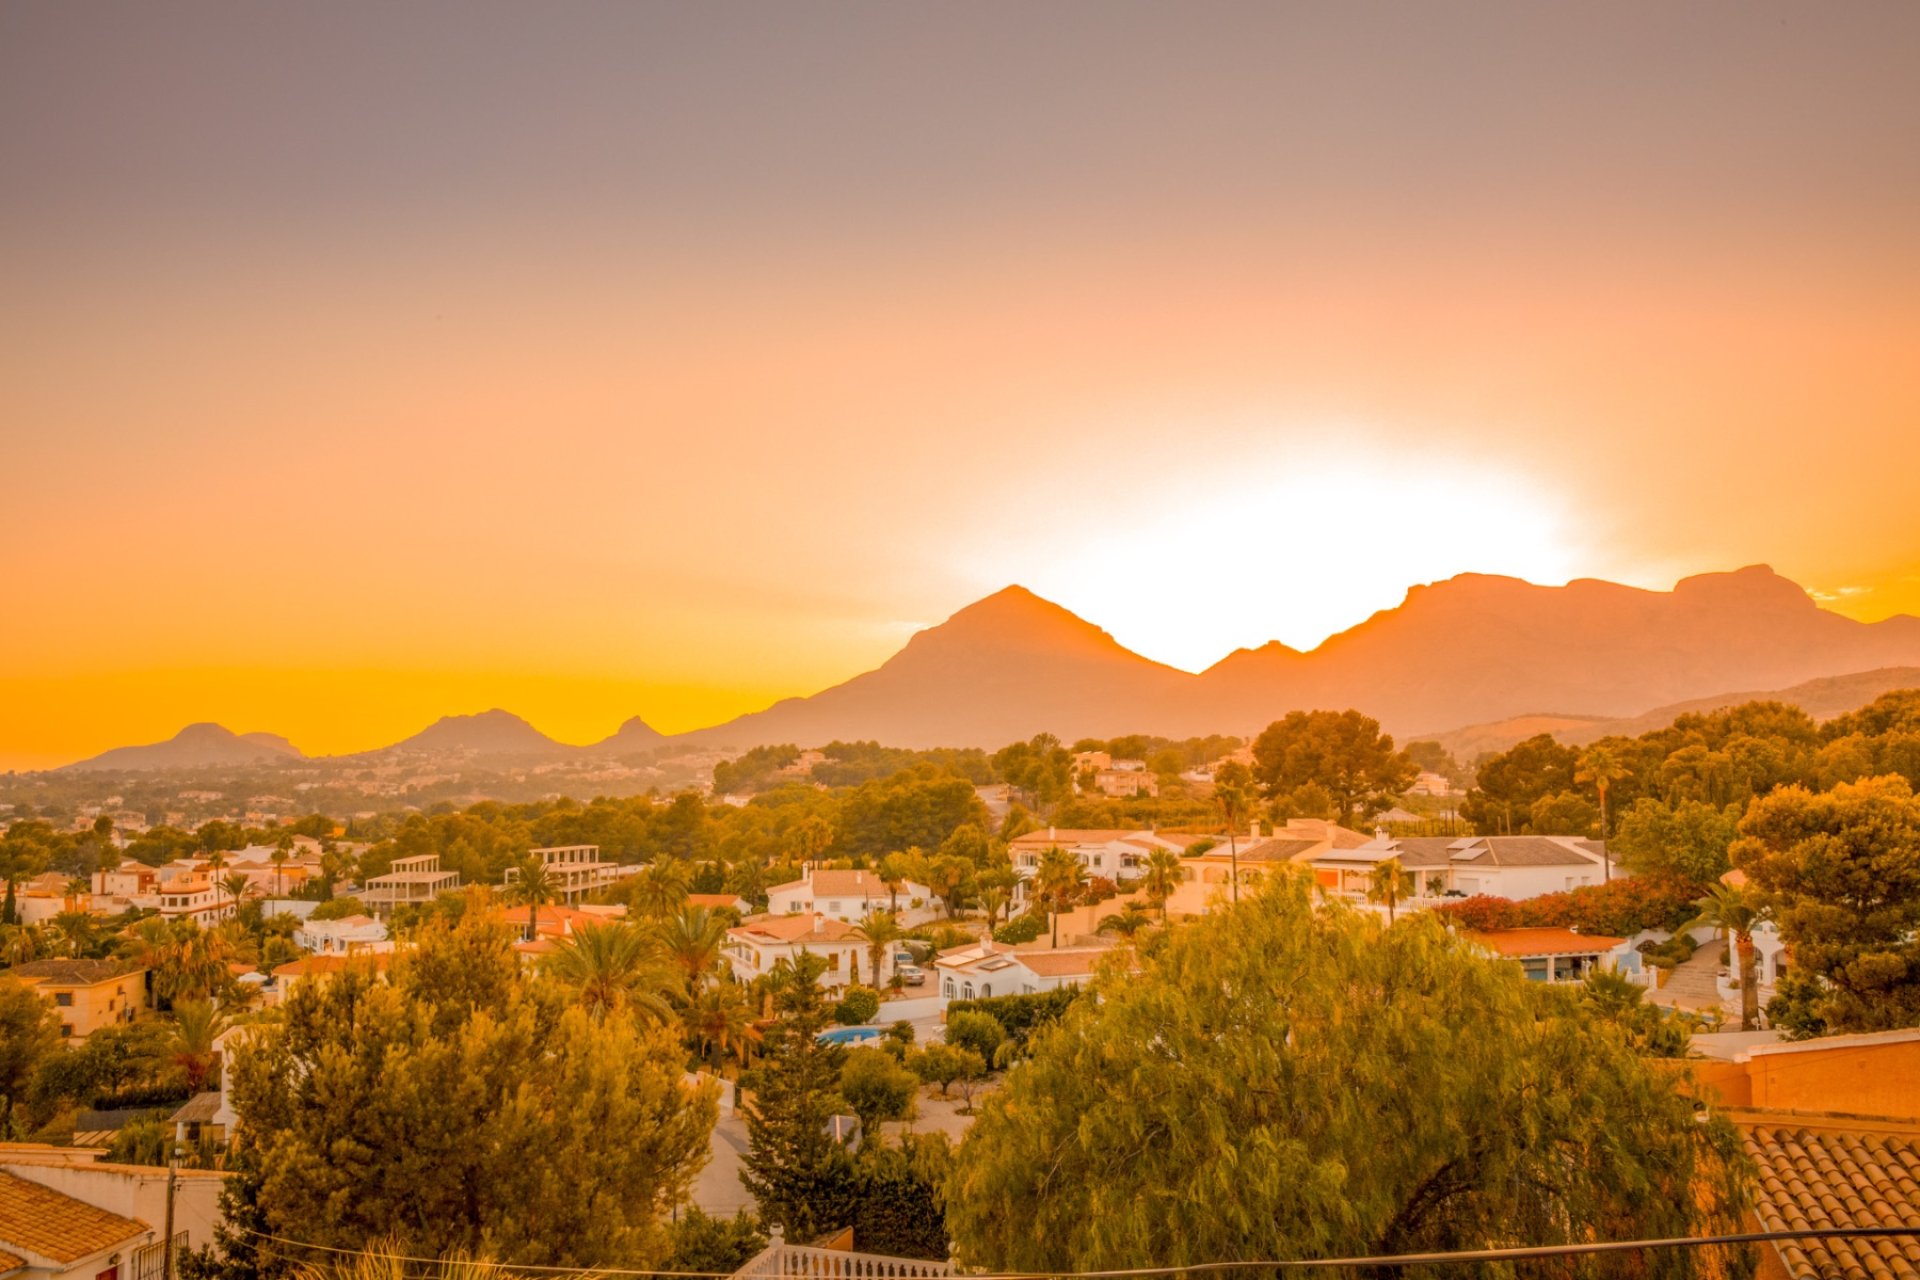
(533, 888)
(1389, 883)
(658, 888)
(145, 941)
(1058, 882)
(1131, 919)
(18, 944)
(719, 1020)
(1734, 912)
(883, 930)
(1602, 768)
(282, 850)
(613, 966)
(1162, 878)
(236, 885)
(691, 942)
(190, 1040)
(74, 932)
(1233, 793)
(895, 870)
(994, 900)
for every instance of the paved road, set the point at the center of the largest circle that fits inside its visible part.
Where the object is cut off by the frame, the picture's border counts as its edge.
(1694, 985)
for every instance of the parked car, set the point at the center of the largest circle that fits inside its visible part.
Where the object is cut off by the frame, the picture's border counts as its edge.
(912, 975)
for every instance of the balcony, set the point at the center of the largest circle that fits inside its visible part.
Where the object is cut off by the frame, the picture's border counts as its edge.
(782, 1261)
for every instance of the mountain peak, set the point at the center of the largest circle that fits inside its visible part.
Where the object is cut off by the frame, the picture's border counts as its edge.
(1016, 618)
(491, 732)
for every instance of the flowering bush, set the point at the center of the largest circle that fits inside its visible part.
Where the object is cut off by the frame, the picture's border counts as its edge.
(1620, 908)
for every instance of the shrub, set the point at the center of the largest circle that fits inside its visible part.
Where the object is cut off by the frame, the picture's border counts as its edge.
(877, 1088)
(942, 1064)
(1019, 1016)
(859, 1005)
(338, 909)
(702, 1242)
(1022, 928)
(975, 1031)
(1620, 908)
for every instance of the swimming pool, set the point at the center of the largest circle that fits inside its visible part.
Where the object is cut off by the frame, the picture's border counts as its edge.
(850, 1035)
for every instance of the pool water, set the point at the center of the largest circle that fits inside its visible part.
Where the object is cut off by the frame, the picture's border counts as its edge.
(850, 1035)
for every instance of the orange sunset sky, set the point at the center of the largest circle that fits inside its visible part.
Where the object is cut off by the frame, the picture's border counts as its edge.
(361, 364)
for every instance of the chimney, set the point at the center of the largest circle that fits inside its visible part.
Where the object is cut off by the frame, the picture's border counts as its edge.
(1049, 831)
(1381, 834)
(819, 922)
(1253, 829)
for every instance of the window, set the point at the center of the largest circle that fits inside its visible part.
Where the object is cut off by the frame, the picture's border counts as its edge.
(66, 1029)
(64, 999)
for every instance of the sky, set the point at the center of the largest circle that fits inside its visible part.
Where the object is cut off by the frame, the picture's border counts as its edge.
(362, 363)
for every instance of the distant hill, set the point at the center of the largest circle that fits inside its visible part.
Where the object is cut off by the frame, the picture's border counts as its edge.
(490, 733)
(1006, 667)
(198, 746)
(1823, 699)
(633, 735)
(1469, 650)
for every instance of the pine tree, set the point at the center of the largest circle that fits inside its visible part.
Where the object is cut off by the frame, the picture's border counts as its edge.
(802, 1178)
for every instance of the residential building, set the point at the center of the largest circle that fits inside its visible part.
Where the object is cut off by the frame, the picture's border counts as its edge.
(1118, 855)
(1559, 955)
(848, 896)
(721, 902)
(65, 1214)
(318, 968)
(412, 881)
(348, 935)
(1514, 867)
(989, 969)
(575, 870)
(202, 901)
(761, 942)
(1209, 875)
(88, 994)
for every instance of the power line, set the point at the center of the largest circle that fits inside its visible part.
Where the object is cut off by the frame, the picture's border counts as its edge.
(1523, 1253)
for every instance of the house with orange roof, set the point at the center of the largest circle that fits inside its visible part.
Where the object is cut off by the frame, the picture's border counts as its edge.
(721, 902)
(848, 896)
(319, 968)
(1558, 955)
(990, 969)
(760, 942)
(65, 1214)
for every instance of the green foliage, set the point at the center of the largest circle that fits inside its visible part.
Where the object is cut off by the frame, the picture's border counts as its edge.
(702, 1242)
(918, 806)
(1688, 838)
(1287, 1082)
(1842, 870)
(877, 1087)
(1025, 927)
(943, 1064)
(858, 1006)
(1020, 1016)
(460, 1106)
(975, 1031)
(1508, 785)
(794, 1169)
(754, 770)
(338, 909)
(29, 1038)
(1342, 752)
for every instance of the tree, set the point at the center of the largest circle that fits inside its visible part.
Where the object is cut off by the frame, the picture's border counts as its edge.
(282, 850)
(657, 889)
(1388, 884)
(1233, 796)
(1689, 838)
(1600, 767)
(459, 1106)
(692, 941)
(1057, 884)
(236, 886)
(979, 1032)
(190, 1046)
(878, 1088)
(29, 1035)
(883, 930)
(613, 967)
(943, 1064)
(793, 1167)
(1342, 751)
(1285, 1044)
(1127, 922)
(719, 1022)
(1506, 785)
(1842, 870)
(1163, 877)
(950, 878)
(534, 888)
(1734, 912)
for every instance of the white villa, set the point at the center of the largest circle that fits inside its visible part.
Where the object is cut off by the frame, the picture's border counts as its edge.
(1117, 855)
(761, 942)
(345, 936)
(989, 969)
(848, 896)
(1514, 867)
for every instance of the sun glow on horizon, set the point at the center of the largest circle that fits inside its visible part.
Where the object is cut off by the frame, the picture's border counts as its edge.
(1300, 549)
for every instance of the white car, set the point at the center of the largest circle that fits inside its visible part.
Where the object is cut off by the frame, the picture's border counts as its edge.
(911, 974)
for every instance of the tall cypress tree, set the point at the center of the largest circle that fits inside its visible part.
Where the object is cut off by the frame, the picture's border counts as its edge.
(801, 1177)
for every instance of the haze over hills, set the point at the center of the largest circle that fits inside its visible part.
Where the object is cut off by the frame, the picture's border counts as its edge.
(1473, 650)
(198, 746)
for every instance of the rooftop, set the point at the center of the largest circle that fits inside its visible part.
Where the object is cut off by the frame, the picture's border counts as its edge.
(1516, 943)
(44, 1221)
(800, 927)
(74, 973)
(1814, 1179)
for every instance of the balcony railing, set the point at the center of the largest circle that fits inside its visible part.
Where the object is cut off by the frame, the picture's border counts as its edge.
(783, 1261)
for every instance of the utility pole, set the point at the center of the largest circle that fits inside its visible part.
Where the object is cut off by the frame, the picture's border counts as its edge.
(173, 1178)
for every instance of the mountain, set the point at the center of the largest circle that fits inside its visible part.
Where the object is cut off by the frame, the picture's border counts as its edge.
(1822, 699)
(633, 735)
(198, 746)
(1004, 668)
(1469, 650)
(490, 733)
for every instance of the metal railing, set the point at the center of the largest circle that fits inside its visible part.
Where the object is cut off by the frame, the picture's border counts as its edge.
(783, 1261)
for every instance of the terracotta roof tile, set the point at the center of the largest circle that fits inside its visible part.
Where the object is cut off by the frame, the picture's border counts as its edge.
(1543, 942)
(44, 1221)
(74, 973)
(1838, 1178)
